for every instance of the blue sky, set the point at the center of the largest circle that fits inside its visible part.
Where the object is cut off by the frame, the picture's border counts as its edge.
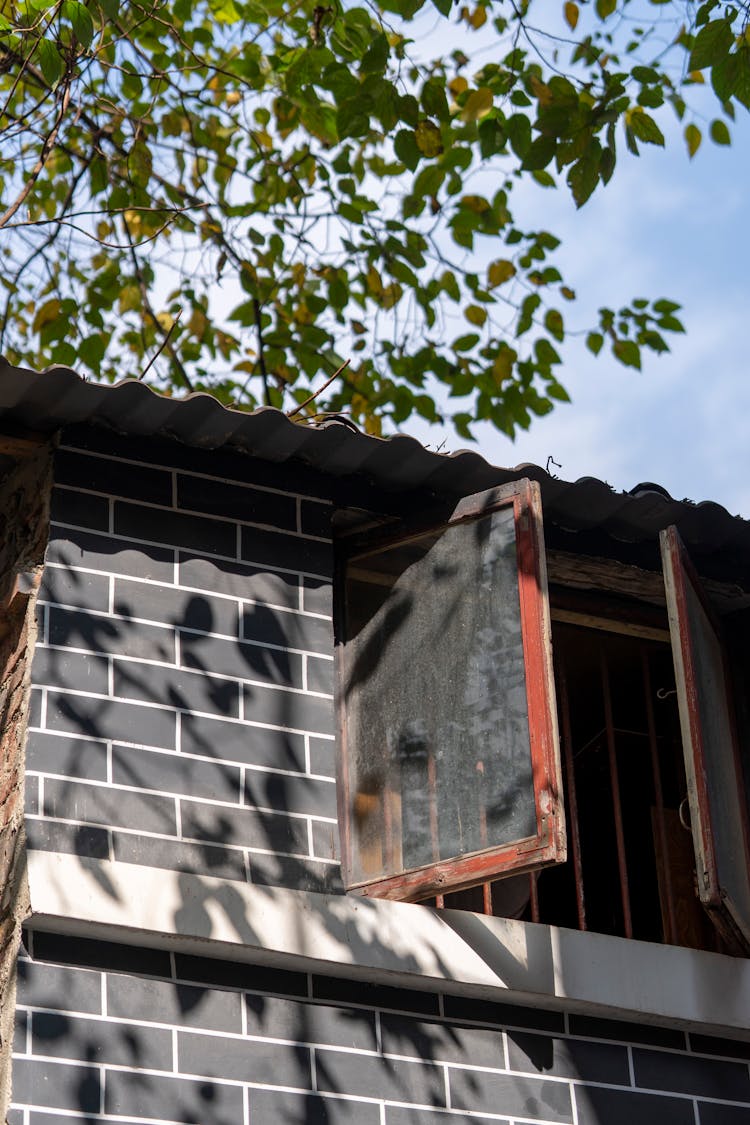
(665, 226)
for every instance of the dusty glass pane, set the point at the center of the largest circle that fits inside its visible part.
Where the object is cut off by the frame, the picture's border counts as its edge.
(435, 699)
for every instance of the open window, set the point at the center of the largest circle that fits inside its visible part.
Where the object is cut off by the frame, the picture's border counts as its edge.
(449, 761)
(718, 815)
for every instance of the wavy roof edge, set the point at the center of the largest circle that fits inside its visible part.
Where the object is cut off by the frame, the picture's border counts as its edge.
(48, 400)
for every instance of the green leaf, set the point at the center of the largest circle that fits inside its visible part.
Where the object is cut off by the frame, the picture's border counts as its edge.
(628, 353)
(434, 101)
(499, 272)
(720, 133)
(712, 44)
(465, 343)
(553, 322)
(693, 138)
(405, 148)
(376, 56)
(50, 61)
(605, 8)
(428, 138)
(644, 127)
(80, 20)
(594, 342)
(476, 315)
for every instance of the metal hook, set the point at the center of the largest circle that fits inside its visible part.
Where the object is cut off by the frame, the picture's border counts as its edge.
(664, 693)
(680, 812)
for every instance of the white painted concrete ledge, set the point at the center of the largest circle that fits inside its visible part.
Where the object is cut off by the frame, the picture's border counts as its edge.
(389, 943)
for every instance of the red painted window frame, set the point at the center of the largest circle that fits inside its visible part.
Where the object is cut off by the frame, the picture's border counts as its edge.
(548, 846)
(679, 572)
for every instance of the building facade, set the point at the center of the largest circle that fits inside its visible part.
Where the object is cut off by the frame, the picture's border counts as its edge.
(190, 952)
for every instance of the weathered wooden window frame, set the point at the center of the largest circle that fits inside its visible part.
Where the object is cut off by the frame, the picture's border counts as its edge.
(548, 846)
(731, 917)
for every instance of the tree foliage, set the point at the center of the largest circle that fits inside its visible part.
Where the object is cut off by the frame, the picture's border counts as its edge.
(236, 195)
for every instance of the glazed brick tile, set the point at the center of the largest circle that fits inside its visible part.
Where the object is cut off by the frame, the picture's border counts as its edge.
(84, 1040)
(236, 502)
(239, 580)
(326, 840)
(320, 675)
(110, 955)
(316, 518)
(55, 667)
(136, 482)
(598, 1104)
(323, 756)
(75, 839)
(568, 1058)
(317, 596)
(78, 588)
(110, 635)
(40, 1082)
(185, 1005)
(106, 805)
(285, 793)
(280, 708)
(175, 773)
(22, 1020)
(372, 1076)
(180, 608)
(713, 1045)
(61, 754)
(111, 719)
(35, 708)
(213, 537)
(271, 1107)
(687, 1074)
(250, 662)
(179, 855)
(238, 742)
(375, 995)
(235, 975)
(401, 1115)
(484, 1011)
(299, 874)
(510, 1094)
(109, 553)
(169, 1099)
(269, 626)
(713, 1114)
(58, 987)
(31, 796)
(287, 551)
(244, 827)
(80, 509)
(274, 1064)
(176, 687)
(275, 1018)
(442, 1042)
(595, 1027)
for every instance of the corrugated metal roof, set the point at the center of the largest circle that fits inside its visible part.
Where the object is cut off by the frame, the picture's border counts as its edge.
(46, 401)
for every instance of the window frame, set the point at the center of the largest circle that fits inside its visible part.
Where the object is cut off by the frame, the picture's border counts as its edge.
(548, 846)
(680, 577)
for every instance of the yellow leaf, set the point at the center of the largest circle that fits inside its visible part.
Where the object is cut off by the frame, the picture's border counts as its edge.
(458, 85)
(571, 15)
(129, 299)
(502, 367)
(391, 295)
(374, 281)
(197, 323)
(476, 203)
(478, 17)
(476, 315)
(478, 103)
(50, 310)
(427, 136)
(234, 97)
(696, 76)
(165, 320)
(693, 138)
(540, 90)
(499, 272)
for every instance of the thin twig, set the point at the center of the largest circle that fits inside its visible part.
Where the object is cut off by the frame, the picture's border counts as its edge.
(43, 157)
(314, 395)
(161, 347)
(261, 353)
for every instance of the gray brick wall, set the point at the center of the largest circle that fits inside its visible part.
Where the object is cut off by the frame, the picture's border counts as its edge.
(109, 1032)
(182, 711)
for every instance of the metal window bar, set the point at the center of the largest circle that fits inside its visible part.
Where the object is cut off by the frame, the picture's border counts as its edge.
(570, 787)
(622, 864)
(671, 935)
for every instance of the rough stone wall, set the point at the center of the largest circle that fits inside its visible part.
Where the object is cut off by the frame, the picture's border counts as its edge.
(24, 506)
